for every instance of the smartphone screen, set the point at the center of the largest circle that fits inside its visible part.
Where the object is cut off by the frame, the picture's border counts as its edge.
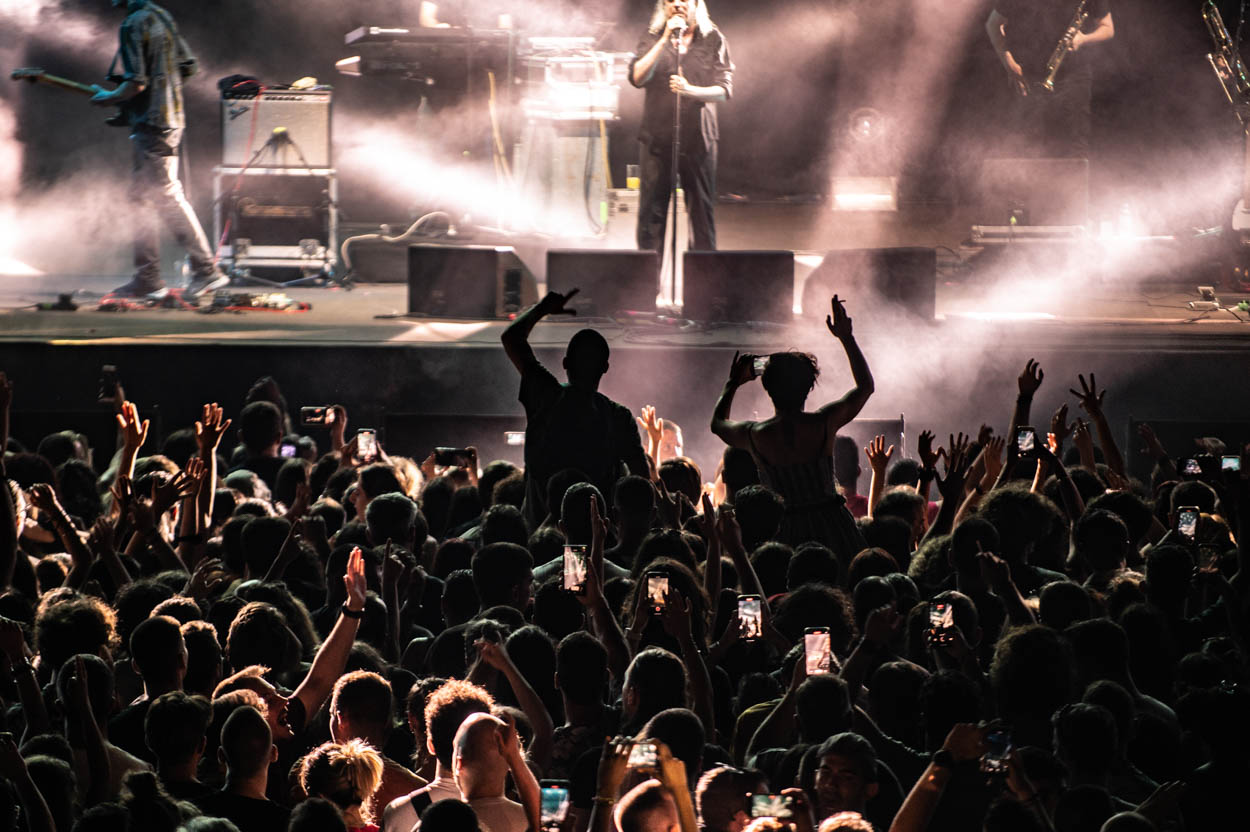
(643, 755)
(514, 438)
(575, 569)
(366, 445)
(1187, 522)
(555, 803)
(816, 650)
(941, 619)
(316, 416)
(1026, 441)
(108, 383)
(1230, 462)
(287, 450)
(1191, 467)
(657, 589)
(997, 752)
(759, 365)
(452, 457)
(750, 616)
(780, 806)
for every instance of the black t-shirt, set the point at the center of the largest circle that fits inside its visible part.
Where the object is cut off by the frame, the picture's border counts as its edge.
(705, 64)
(570, 428)
(126, 730)
(1034, 28)
(247, 813)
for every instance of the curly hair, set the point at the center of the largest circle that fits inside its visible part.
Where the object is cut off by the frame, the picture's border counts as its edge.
(81, 624)
(446, 708)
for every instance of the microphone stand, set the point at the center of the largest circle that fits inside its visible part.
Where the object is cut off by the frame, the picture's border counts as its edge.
(675, 181)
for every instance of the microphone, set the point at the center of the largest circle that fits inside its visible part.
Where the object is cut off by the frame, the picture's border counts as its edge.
(679, 28)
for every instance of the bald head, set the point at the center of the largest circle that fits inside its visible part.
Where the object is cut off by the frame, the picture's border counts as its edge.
(478, 762)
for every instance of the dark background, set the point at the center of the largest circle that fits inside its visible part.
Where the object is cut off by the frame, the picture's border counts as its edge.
(1160, 118)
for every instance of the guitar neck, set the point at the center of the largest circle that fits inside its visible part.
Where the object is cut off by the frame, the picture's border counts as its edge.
(65, 84)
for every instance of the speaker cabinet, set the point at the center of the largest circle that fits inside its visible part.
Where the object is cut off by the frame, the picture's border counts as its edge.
(301, 116)
(480, 282)
(608, 280)
(900, 279)
(737, 286)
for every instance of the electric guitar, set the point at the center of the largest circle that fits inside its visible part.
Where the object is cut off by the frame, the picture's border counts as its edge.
(39, 76)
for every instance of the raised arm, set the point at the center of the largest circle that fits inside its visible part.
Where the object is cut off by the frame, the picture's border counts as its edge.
(495, 655)
(516, 337)
(845, 409)
(330, 660)
(1091, 403)
(734, 434)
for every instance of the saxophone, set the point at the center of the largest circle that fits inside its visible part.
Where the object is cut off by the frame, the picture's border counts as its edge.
(1226, 61)
(1065, 46)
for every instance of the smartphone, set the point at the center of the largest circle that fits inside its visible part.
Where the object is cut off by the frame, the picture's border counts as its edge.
(643, 755)
(941, 620)
(759, 365)
(816, 650)
(1026, 441)
(1230, 462)
(575, 569)
(108, 384)
(453, 457)
(287, 450)
(1190, 467)
(997, 752)
(750, 617)
(366, 444)
(319, 416)
(555, 802)
(514, 438)
(780, 806)
(657, 588)
(1187, 522)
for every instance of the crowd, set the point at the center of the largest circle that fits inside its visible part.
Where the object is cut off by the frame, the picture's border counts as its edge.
(234, 629)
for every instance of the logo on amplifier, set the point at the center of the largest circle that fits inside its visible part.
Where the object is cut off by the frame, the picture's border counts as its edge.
(237, 110)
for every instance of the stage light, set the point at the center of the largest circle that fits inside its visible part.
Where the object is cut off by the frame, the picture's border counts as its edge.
(12, 267)
(867, 124)
(865, 193)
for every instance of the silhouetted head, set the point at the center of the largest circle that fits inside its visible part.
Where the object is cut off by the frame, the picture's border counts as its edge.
(586, 359)
(789, 377)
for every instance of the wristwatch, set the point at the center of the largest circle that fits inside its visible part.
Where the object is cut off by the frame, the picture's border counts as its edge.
(943, 759)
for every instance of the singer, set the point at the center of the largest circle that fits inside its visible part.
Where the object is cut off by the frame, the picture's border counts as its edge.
(706, 78)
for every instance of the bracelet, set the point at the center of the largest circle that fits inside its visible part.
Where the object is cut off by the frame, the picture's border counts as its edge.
(356, 614)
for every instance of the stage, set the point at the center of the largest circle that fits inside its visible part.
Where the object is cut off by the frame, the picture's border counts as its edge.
(423, 381)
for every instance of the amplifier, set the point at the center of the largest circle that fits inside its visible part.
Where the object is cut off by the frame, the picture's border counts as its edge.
(301, 116)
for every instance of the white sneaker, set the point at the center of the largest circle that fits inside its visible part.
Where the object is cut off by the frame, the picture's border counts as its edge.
(205, 283)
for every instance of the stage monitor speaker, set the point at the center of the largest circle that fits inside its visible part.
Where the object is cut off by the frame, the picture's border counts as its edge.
(904, 279)
(609, 280)
(468, 282)
(738, 286)
(1051, 192)
(249, 121)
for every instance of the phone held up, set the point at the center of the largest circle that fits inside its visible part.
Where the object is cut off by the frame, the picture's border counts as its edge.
(816, 650)
(941, 624)
(657, 590)
(1026, 442)
(1187, 522)
(366, 445)
(555, 803)
(779, 806)
(575, 569)
(750, 617)
(319, 416)
(453, 457)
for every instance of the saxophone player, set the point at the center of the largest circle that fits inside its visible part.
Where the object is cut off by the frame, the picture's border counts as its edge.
(1043, 46)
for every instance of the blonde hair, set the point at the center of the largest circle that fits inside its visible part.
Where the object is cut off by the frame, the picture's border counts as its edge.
(345, 773)
(702, 20)
(409, 475)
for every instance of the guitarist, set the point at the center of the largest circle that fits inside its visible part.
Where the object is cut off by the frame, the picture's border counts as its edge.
(1025, 33)
(154, 61)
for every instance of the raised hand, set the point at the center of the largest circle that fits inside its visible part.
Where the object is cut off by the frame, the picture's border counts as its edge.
(44, 498)
(879, 455)
(210, 428)
(728, 530)
(882, 625)
(134, 432)
(983, 435)
(493, 654)
(553, 303)
(12, 640)
(1059, 425)
(123, 492)
(354, 580)
(992, 457)
(1082, 439)
(651, 426)
(1153, 446)
(1090, 398)
(392, 566)
(12, 764)
(742, 369)
(100, 539)
(209, 576)
(338, 428)
(957, 464)
(838, 322)
(1030, 378)
(928, 457)
(166, 494)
